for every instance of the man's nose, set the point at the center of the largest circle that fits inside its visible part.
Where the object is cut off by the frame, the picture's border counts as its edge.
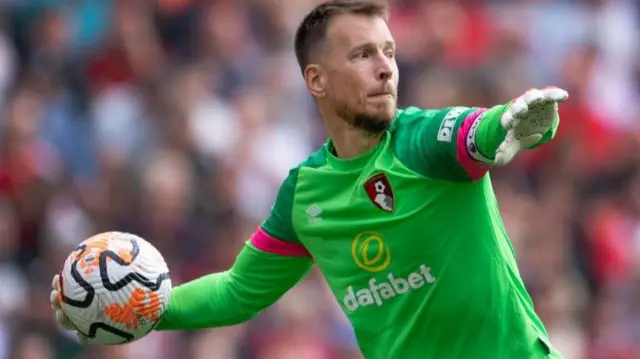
(385, 70)
(385, 74)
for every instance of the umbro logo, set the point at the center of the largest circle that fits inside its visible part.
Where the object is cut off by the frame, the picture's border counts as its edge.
(314, 214)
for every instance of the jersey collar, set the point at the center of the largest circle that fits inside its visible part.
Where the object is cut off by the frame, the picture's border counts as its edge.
(356, 163)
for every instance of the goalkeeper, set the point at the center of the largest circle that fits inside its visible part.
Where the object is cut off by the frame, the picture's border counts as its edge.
(396, 210)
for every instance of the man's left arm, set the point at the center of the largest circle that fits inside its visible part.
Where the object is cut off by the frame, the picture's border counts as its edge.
(462, 144)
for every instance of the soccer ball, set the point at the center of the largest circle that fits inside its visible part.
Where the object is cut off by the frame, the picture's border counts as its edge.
(114, 288)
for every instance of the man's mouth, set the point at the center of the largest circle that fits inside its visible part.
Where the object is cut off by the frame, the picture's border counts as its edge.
(381, 94)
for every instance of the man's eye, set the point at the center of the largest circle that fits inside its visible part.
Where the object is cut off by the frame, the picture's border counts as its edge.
(390, 54)
(363, 55)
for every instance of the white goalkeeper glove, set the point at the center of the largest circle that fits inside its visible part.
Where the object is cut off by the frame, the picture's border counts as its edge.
(527, 119)
(61, 318)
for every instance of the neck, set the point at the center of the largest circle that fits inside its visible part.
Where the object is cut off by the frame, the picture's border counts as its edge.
(349, 141)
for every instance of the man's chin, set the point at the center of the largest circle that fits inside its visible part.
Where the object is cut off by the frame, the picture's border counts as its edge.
(374, 124)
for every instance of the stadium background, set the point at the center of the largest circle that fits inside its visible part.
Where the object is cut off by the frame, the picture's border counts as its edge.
(177, 120)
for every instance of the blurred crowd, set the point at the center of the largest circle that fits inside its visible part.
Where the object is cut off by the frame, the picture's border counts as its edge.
(178, 119)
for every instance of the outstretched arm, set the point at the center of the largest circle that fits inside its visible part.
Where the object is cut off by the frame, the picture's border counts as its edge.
(462, 144)
(272, 262)
(265, 269)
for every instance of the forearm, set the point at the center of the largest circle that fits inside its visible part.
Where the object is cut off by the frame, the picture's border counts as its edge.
(204, 303)
(481, 134)
(256, 280)
(490, 133)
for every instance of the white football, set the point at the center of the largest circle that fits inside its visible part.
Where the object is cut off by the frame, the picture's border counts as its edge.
(114, 288)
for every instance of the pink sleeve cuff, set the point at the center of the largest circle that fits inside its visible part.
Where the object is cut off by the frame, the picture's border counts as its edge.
(267, 243)
(466, 146)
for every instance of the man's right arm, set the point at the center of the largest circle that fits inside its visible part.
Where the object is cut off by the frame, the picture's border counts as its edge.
(270, 264)
(256, 280)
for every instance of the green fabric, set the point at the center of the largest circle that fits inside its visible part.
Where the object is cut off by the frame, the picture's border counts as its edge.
(436, 275)
(278, 224)
(490, 132)
(426, 140)
(413, 250)
(256, 280)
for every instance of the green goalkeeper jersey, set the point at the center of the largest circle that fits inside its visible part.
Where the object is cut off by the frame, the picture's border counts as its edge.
(408, 237)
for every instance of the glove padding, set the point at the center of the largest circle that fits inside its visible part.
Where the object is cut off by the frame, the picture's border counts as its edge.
(61, 318)
(527, 119)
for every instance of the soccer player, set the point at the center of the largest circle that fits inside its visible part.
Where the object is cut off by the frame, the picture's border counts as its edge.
(396, 210)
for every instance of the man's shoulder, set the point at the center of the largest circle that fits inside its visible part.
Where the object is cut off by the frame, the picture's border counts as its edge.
(412, 114)
(279, 224)
(414, 121)
(315, 160)
(415, 111)
(425, 140)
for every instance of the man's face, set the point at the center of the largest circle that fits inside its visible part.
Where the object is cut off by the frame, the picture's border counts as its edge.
(360, 71)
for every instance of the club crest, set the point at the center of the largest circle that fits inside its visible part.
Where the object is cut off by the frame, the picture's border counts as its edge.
(380, 193)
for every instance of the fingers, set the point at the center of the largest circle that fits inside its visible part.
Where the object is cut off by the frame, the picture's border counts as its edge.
(555, 94)
(547, 95)
(55, 291)
(521, 105)
(517, 107)
(507, 150)
(511, 146)
(61, 318)
(55, 284)
(53, 298)
(535, 96)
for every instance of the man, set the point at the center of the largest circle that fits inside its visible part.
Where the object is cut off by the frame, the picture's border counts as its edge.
(396, 210)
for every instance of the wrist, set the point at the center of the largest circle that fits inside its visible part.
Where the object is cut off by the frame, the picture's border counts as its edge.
(486, 135)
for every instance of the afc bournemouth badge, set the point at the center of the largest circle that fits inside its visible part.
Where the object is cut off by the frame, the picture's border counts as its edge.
(380, 192)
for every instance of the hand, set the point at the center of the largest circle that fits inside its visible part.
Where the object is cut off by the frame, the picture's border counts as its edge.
(61, 318)
(528, 118)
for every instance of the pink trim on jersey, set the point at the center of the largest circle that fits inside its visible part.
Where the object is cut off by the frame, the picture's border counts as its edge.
(267, 243)
(474, 169)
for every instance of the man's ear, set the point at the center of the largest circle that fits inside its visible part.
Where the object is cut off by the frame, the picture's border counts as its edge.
(316, 80)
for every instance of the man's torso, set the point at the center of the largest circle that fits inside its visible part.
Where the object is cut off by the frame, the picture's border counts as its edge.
(422, 267)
